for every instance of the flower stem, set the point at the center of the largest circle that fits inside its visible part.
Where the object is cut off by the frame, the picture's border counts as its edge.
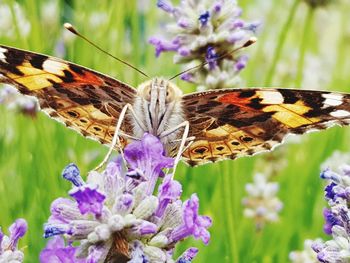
(281, 40)
(228, 203)
(303, 46)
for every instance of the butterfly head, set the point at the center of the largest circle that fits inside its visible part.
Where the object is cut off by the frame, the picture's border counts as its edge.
(159, 99)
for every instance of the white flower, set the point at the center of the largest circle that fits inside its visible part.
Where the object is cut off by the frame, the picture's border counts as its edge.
(12, 18)
(335, 161)
(49, 13)
(305, 256)
(262, 203)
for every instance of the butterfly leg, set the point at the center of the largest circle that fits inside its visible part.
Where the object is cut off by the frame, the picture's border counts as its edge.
(117, 132)
(186, 126)
(129, 136)
(115, 140)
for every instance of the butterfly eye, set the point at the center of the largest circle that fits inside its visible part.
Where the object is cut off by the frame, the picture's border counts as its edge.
(169, 95)
(147, 93)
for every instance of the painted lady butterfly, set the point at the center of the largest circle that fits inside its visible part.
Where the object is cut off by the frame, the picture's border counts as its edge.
(222, 123)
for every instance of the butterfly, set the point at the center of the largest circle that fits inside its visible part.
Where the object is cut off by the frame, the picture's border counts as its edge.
(222, 124)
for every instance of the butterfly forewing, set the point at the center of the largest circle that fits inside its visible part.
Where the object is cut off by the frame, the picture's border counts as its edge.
(224, 123)
(239, 122)
(85, 100)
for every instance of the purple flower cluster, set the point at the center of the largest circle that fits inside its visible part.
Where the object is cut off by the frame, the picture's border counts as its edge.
(202, 32)
(337, 217)
(115, 215)
(9, 244)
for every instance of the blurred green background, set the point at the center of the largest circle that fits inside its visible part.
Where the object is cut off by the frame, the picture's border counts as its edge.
(298, 47)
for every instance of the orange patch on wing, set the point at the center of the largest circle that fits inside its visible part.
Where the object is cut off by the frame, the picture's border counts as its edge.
(86, 78)
(233, 98)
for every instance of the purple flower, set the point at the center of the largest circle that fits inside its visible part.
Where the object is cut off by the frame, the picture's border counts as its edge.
(64, 210)
(188, 255)
(211, 57)
(329, 193)
(148, 156)
(169, 191)
(337, 218)
(196, 29)
(241, 63)
(89, 199)
(331, 220)
(163, 45)
(17, 230)
(203, 18)
(165, 5)
(193, 223)
(72, 174)
(56, 251)
(96, 253)
(9, 244)
(52, 229)
(129, 219)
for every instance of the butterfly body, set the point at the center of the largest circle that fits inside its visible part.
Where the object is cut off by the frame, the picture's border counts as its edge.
(158, 105)
(225, 124)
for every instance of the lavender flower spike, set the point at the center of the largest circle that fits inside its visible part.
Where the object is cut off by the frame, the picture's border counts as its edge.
(116, 216)
(202, 31)
(337, 217)
(9, 244)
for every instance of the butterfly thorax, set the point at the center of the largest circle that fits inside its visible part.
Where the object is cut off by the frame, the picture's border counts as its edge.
(158, 106)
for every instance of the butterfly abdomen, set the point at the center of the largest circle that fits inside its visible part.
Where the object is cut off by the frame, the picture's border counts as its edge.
(159, 108)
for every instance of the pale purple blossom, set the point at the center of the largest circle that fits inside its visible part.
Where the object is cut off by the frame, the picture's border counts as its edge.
(262, 203)
(89, 199)
(118, 208)
(57, 251)
(13, 100)
(337, 217)
(9, 251)
(193, 223)
(204, 31)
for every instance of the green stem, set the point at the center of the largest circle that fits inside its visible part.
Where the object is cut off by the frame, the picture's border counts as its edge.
(228, 202)
(281, 41)
(303, 46)
(340, 72)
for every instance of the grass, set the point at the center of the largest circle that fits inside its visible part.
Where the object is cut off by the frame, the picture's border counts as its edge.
(33, 152)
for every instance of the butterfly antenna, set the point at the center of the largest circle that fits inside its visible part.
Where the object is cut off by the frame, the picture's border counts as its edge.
(251, 41)
(69, 27)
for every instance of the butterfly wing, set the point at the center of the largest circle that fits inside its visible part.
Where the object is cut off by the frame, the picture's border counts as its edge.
(85, 100)
(239, 122)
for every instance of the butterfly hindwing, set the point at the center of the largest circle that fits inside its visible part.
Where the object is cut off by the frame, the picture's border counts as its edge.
(85, 100)
(239, 122)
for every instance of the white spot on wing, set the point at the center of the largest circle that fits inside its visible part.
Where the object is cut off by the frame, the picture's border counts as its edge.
(332, 99)
(270, 97)
(333, 96)
(340, 113)
(54, 67)
(331, 102)
(2, 54)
